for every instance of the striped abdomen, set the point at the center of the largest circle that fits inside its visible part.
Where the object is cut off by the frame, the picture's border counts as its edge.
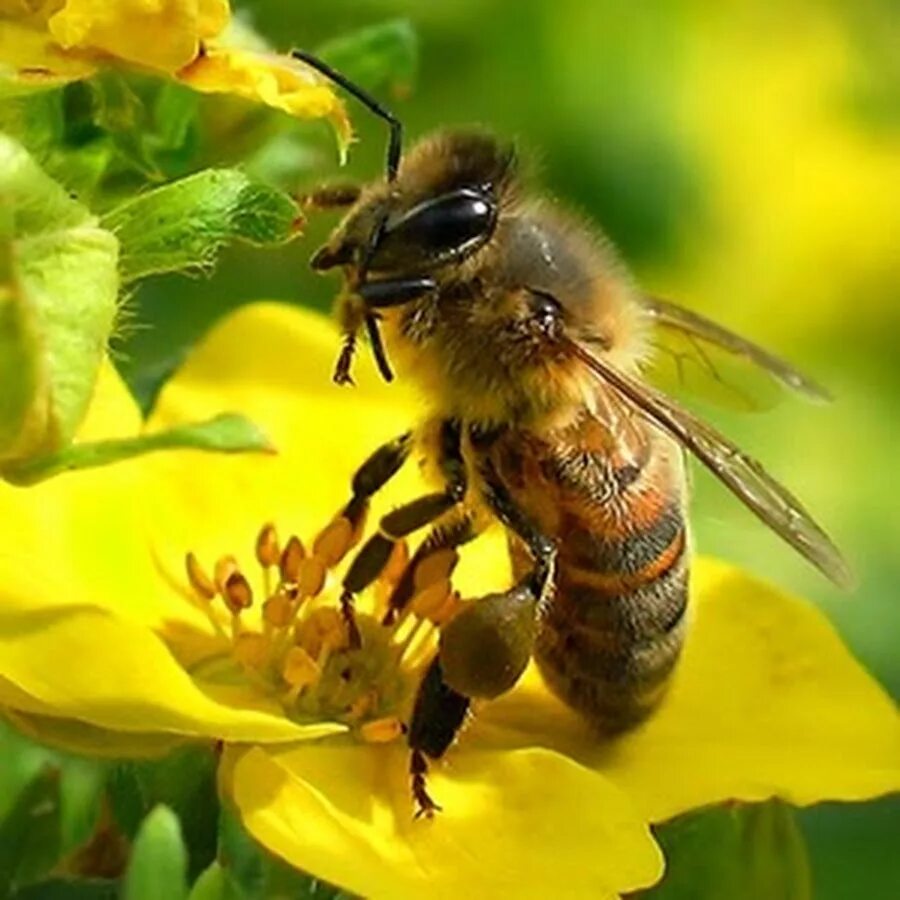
(613, 630)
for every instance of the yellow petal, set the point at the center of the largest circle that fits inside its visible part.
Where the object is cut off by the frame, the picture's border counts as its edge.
(113, 412)
(30, 58)
(213, 17)
(273, 363)
(767, 701)
(87, 529)
(158, 34)
(343, 813)
(84, 663)
(276, 80)
(79, 737)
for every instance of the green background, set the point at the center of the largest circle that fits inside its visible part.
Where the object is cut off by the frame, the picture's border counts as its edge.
(744, 157)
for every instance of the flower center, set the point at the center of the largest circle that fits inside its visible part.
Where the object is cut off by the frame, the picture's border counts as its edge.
(286, 636)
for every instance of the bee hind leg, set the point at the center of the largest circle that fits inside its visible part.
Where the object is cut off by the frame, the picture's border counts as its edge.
(484, 649)
(435, 558)
(438, 714)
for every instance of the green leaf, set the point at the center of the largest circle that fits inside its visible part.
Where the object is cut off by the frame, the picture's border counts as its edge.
(119, 112)
(261, 875)
(241, 855)
(226, 433)
(80, 791)
(185, 782)
(737, 852)
(376, 57)
(774, 852)
(182, 226)
(158, 866)
(216, 884)
(29, 835)
(49, 806)
(174, 139)
(35, 119)
(58, 290)
(69, 889)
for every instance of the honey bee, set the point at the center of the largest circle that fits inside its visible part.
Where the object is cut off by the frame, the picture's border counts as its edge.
(530, 341)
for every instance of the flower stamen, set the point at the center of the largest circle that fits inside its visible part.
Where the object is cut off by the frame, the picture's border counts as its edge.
(302, 651)
(382, 731)
(202, 584)
(291, 557)
(237, 593)
(334, 541)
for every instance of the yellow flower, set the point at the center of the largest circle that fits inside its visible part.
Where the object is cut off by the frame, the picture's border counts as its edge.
(102, 644)
(48, 42)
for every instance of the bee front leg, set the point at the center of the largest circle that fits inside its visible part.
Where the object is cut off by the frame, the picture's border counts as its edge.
(395, 291)
(369, 478)
(369, 563)
(335, 195)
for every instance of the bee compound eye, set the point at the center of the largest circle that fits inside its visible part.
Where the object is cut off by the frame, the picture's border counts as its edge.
(445, 227)
(484, 650)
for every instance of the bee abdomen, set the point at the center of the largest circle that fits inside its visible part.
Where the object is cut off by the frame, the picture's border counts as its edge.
(612, 634)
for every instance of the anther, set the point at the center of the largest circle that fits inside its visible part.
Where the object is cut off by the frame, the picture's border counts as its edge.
(237, 593)
(278, 610)
(291, 557)
(311, 576)
(267, 549)
(445, 613)
(334, 541)
(428, 602)
(397, 563)
(382, 731)
(322, 628)
(299, 669)
(435, 567)
(225, 567)
(200, 581)
(251, 649)
(362, 705)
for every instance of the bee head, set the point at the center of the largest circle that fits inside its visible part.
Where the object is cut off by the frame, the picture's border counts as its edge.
(441, 208)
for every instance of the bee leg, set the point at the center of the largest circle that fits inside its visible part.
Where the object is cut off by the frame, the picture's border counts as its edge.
(395, 291)
(442, 541)
(370, 561)
(335, 195)
(486, 646)
(438, 714)
(539, 581)
(483, 650)
(369, 478)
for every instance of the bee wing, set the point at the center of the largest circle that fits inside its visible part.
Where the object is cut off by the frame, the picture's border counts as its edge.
(742, 474)
(687, 337)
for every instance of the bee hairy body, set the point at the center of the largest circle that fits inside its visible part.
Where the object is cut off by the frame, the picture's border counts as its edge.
(606, 487)
(528, 339)
(610, 633)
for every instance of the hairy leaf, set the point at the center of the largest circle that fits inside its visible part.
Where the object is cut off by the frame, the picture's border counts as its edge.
(183, 225)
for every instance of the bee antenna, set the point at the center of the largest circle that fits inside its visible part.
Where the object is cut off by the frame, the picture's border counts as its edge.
(395, 141)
